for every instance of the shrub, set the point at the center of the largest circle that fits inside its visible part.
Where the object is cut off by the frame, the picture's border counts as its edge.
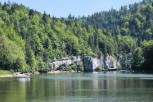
(98, 68)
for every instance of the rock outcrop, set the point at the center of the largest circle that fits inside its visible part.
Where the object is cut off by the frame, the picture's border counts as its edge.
(64, 61)
(90, 63)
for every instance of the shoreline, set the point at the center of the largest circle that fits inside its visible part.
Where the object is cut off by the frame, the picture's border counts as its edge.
(19, 74)
(7, 76)
(58, 71)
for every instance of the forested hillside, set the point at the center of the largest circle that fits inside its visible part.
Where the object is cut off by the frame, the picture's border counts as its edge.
(30, 40)
(136, 21)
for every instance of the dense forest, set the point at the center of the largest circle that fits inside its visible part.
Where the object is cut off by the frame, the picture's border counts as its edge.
(136, 21)
(29, 40)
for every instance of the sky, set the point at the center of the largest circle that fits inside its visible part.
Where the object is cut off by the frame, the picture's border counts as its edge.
(62, 8)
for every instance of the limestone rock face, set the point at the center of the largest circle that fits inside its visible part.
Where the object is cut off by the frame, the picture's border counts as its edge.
(64, 61)
(110, 63)
(90, 63)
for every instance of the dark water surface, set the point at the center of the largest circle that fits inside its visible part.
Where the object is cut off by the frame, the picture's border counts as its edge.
(78, 87)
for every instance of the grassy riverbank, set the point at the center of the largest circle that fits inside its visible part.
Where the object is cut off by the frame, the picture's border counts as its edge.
(5, 73)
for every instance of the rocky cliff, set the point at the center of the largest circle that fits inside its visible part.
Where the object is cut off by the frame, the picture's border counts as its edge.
(106, 63)
(64, 61)
(90, 63)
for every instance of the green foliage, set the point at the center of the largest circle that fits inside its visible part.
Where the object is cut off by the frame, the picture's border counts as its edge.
(30, 40)
(134, 20)
(143, 57)
(65, 68)
(130, 26)
(4, 72)
(80, 67)
(126, 44)
(11, 55)
(137, 59)
(30, 59)
(98, 69)
(37, 38)
(148, 54)
(75, 67)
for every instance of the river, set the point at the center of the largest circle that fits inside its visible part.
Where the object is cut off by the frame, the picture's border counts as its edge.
(78, 87)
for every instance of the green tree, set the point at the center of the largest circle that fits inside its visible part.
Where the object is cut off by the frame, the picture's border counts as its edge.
(30, 59)
(148, 54)
(137, 59)
(11, 56)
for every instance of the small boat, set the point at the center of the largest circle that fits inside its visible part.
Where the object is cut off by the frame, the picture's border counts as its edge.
(22, 76)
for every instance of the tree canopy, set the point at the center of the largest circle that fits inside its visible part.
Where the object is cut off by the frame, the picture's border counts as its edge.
(30, 40)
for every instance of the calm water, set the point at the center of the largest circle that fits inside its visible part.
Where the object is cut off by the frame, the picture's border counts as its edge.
(79, 87)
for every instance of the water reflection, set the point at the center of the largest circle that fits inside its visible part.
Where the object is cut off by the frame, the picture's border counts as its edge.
(78, 87)
(24, 79)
